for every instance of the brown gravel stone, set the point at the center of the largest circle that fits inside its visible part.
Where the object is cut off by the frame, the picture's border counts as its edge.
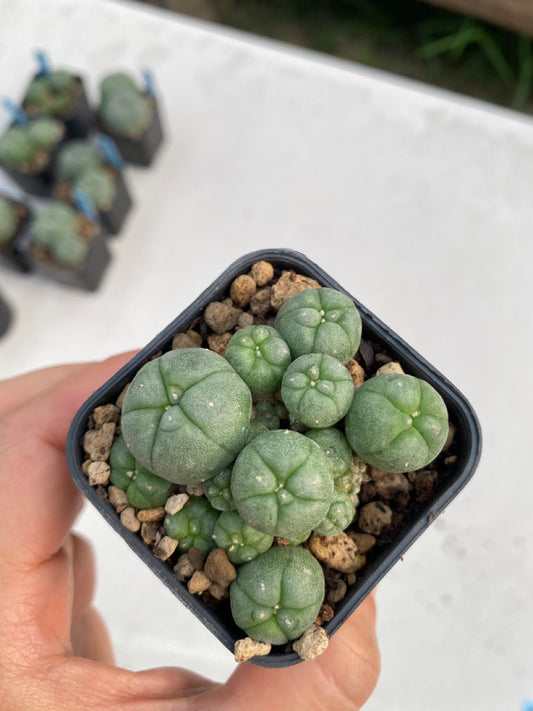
(312, 643)
(165, 547)
(195, 489)
(218, 568)
(218, 592)
(262, 272)
(129, 520)
(97, 443)
(336, 590)
(149, 531)
(120, 398)
(288, 285)
(183, 340)
(105, 413)
(363, 541)
(247, 648)
(85, 466)
(117, 497)
(221, 317)
(183, 568)
(242, 289)
(218, 342)
(375, 517)
(196, 557)
(198, 583)
(98, 473)
(357, 372)
(245, 319)
(260, 303)
(155, 514)
(175, 503)
(389, 484)
(424, 484)
(326, 612)
(389, 368)
(338, 552)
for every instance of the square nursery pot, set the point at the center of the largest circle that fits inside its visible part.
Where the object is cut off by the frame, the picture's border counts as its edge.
(79, 118)
(113, 219)
(87, 275)
(12, 254)
(451, 471)
(142, 150)
(6, 316)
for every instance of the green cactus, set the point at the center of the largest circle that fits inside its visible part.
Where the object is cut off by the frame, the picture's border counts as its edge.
(240, 541)
(291, 487)
(126, 113)
(117, 82)
(45, 132)
(16, 147)
(260, 356)
(99, 186)
(69, 250)
(8, 221)
(55, 220)
(339, 516)
(122, 464)
(51, 94)
(317, 390)
(269, 414)
(147, 490)
(193, 525)
(397, 422)
(186, 414)
(218, 491)
(277, 595)
(336, 447)
(320, 321)
(77, 157)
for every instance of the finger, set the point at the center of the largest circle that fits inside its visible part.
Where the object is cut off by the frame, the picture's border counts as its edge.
(39, 498)
(90, 637)
(342, 678)
(84, 575)
(15, 391)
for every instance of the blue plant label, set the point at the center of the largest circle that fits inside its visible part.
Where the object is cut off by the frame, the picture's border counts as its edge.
(149, 87)
(110, 150)
(85, 205)
(17, 113)
(43, 62)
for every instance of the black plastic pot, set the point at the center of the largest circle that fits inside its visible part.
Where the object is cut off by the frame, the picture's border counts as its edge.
(139, 151)
(87, 276)
(6, 316)
(79, 118)
(468, 448)
(12, 254)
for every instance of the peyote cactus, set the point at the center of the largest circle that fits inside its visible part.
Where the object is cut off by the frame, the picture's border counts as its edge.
(240, 541)
(45, 132)
(98, 184)
(55, 228)
(51, 94)
(277, 595)
(116, 83)
(397, 423)
(218, 491)
(22, 145)
(16, 147)
(336, 447)
(126, 113)
(8, 221)
(76, 157)
(193, 526)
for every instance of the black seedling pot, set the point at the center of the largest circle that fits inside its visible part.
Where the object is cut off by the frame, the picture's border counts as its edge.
(467, 447)
(139, 151)
(79, 118)
(6, 316)
(11, 254)
(113, 219)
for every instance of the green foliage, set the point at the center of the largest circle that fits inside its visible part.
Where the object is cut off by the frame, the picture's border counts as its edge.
(277, 595)
(320, 321)
(260, 356)
(193, 526)
(397, 423)
(186, 414)
(8, 221)
(282, 484)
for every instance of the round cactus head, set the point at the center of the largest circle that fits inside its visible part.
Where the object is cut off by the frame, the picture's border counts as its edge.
(193, 525)
(320, 321)
(126, 113)
(8, 221)
(53, 222)
(99, 186)
(277, 595)
(45, 132)
(117, 82)
(291, 487)
(339, 516)
(260, 356)
(61, 82)
(38, 95)
(336, 447)
(49, 94)
(240, 541)
(397, 423)
(77, 157)
(16, 147)
(186, 414)
(317, 390)
(69, 250)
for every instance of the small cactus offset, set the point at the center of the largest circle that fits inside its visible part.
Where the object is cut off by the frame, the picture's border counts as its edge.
(51, 94)
(8, 221)
(125, 110)
(98, 184)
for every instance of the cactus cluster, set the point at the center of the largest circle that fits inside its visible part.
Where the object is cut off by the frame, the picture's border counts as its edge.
(289, 473)
(8, 221)
(23, 146)
(51, 94)
(124, 109)
(55, 229)
(81, 164)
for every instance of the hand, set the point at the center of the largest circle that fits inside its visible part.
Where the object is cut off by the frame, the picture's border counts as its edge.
(55, 653)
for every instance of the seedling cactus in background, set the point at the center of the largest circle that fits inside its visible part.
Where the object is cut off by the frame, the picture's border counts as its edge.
(124, 109)
(26, 147)
(51, 92)
(8, 221)
(55, 230)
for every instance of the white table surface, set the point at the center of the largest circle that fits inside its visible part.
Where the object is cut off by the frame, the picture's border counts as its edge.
(419, 202)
